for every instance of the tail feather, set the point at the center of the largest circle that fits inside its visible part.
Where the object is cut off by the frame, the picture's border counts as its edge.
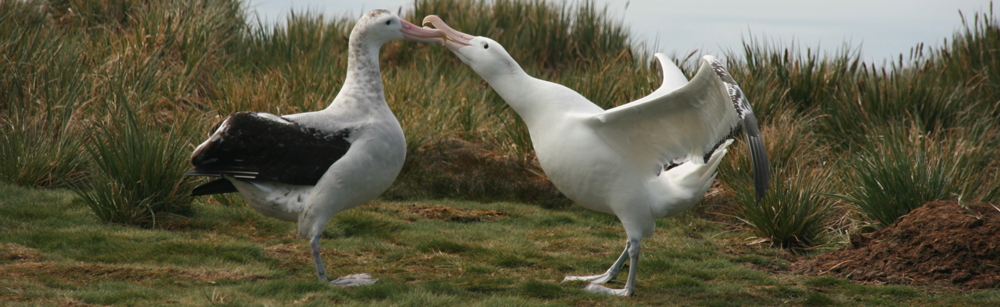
(683, 186)
(696, 176)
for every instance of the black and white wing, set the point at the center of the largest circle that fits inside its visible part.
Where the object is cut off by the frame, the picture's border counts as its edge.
(684, 122)
(262, 146)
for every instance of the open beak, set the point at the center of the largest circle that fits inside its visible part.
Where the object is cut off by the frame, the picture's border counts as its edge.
(454, 39)
(412, 32)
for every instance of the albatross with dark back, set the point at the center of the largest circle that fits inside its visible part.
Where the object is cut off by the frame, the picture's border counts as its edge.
(307, 167)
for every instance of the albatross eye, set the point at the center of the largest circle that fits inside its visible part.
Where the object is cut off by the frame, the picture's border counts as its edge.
(486, 46)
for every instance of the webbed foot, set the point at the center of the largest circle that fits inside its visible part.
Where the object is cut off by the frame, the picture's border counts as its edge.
(353, 280)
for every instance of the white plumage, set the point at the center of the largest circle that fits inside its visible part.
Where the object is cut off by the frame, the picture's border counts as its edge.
(307, 167)
(614, 161)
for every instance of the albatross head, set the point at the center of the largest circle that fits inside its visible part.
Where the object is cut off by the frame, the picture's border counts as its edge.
(487, 57)
(381, 26)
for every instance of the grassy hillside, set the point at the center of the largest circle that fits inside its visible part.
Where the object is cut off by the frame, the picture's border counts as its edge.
(108, 98)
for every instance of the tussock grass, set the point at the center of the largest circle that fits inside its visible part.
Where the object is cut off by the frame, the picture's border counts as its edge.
(901, 169)
(779, 79)
(794, 214)
(572, 34)
(138, 175)
(40, 152)
(40, 142)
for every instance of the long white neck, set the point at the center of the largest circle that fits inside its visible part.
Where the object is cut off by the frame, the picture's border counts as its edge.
(513, 88)
(537, 100)
(364, 79)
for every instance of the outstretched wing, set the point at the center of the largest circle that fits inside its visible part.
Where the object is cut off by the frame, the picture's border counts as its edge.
(683, 122)
(262, 146)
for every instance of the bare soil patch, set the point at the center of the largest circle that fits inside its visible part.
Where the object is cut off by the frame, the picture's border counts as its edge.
(940, 243)
(444, 213)
(13, 252)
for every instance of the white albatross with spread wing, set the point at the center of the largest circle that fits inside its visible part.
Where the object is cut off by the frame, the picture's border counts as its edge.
(307, 167)
(614, 161)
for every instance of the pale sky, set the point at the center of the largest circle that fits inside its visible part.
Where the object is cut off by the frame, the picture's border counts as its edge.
(883, 29)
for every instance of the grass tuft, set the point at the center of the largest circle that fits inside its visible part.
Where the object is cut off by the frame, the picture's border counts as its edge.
(794, 213)
(36, 152)
(138, 176)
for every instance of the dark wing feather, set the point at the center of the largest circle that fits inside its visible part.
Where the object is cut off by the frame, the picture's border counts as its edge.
(249, 146)
(758, 153)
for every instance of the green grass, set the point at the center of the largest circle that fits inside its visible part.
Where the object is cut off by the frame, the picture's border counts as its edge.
(57, 252)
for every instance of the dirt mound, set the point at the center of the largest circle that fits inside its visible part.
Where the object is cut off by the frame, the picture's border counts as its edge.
(454, 168)
(940, 243)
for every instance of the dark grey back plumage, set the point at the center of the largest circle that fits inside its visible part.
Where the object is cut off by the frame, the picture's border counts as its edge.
(253, 147)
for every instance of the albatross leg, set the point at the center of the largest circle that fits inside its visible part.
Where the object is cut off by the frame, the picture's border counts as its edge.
(633, 254)
(320, 270)
(608, 275)
(346, 281)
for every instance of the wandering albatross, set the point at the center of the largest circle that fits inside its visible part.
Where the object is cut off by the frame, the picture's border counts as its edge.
(307, 167)
(615, 161)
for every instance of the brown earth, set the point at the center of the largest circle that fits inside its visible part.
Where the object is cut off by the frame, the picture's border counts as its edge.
(438, 212)
(22, 262)
(940, 243)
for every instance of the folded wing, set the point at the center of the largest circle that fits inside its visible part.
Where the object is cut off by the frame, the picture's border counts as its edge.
(261, 146)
